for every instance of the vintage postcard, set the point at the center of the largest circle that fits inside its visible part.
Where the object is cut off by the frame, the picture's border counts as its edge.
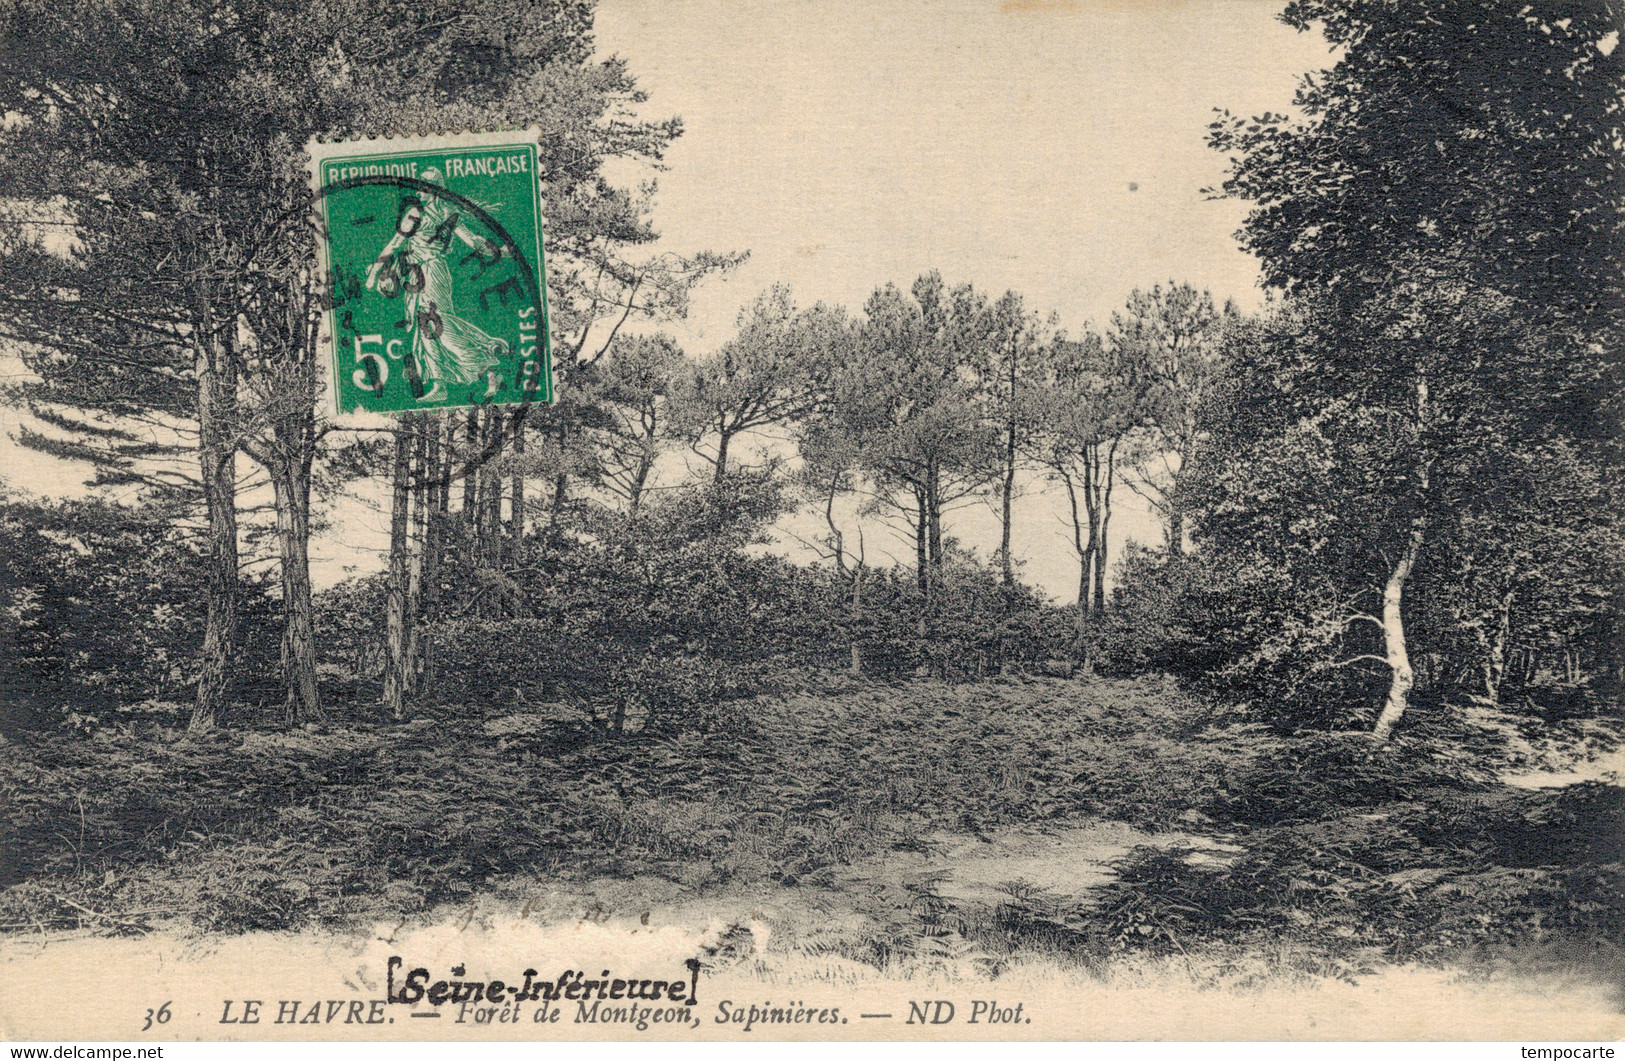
(708, 521)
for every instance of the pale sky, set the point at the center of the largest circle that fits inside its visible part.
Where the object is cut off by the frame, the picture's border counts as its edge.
(1050, 146)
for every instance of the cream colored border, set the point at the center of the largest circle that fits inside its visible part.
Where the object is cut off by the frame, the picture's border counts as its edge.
(100, 988)
(63, 986)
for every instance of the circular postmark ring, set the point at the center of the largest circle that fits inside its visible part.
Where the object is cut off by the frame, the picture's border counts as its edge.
(530, 283)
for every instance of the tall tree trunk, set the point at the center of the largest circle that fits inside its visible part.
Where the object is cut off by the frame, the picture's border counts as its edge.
(397, 663)
(1176, 530)
(1007, 491)
(301, 702)
(446, 434)
(1007, 494)
(217, 456)
(474, 500)
(837, 540)
(491, 494)
(721, 475)
(1084, 547)
(418, 540)
(856, 615)
(1091, 504)
(438, 463)
(434, 474)
(555, 509)
(934, 500)
(471, 481)
(837, 544)
(516, 498)
(1173, 499)
(288, 462)
(1108, 478)
(634, 495)
(922, 537)
(1402, 677)
(933, 583)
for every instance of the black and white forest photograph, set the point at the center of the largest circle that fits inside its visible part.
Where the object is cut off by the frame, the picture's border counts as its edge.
(737, 520)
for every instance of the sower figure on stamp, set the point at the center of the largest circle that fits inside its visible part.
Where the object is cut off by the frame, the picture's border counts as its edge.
(448, 349)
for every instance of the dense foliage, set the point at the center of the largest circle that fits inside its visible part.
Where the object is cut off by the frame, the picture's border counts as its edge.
(1407, 455)
(65, 568)
(1335, 854)
(659, 624)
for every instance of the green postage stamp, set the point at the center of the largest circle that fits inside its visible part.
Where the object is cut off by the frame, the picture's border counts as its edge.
(432, 252)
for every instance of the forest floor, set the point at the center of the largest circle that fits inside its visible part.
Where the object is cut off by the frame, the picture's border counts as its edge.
(1118, 833)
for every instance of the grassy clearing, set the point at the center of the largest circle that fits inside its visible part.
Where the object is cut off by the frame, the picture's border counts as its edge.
(1338, 856)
